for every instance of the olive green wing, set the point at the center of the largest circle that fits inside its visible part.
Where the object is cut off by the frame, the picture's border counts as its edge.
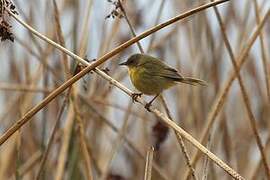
(156, 67)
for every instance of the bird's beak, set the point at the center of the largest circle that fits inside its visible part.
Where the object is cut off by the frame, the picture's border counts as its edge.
(123, 64)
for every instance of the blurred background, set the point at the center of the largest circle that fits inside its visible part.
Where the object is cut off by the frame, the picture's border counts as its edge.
(100, 132)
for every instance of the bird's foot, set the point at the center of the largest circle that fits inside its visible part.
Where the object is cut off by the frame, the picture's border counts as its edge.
(134, 96)
(147, 106)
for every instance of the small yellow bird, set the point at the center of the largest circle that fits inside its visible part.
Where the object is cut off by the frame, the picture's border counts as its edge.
(151, 76)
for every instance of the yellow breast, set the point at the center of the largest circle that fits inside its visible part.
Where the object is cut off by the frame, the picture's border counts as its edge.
(134, 76)
(146, 83)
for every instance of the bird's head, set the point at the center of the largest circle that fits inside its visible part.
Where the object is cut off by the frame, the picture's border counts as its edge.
(132, 61)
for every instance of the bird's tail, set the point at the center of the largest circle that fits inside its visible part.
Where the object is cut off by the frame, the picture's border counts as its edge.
(193, 81)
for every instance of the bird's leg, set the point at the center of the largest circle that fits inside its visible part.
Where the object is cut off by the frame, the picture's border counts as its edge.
(147, 106)
(134, 96)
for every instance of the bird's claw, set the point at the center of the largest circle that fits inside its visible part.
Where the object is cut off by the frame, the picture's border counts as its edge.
(147, 106)
(135, 96)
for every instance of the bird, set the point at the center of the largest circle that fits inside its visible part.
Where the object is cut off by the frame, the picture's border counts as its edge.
(151, 76)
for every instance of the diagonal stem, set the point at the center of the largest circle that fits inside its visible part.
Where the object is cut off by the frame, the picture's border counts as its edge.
(244, 93)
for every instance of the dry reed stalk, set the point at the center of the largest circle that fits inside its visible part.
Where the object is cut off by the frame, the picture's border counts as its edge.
(28, 165)
(206, 161)
(85, 31)
(244, 92)
(83, 143)
(117, 144)
(161, 40)
(114, 105)
(66, 99)
(254, 174)
(18, 154)
(149, 164)
(180, 141)
(63, 152)
(130, 25)
(107, 38)
(9, 108)
(219, 101)
(40, 58)
(263, 53)
(137, 150)
(51, 138)
(61, 39)
(23, 87)
(152, 38)
(228, 143)
(7, 159)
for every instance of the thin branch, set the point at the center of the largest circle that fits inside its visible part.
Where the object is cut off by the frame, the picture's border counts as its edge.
(130, 25)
